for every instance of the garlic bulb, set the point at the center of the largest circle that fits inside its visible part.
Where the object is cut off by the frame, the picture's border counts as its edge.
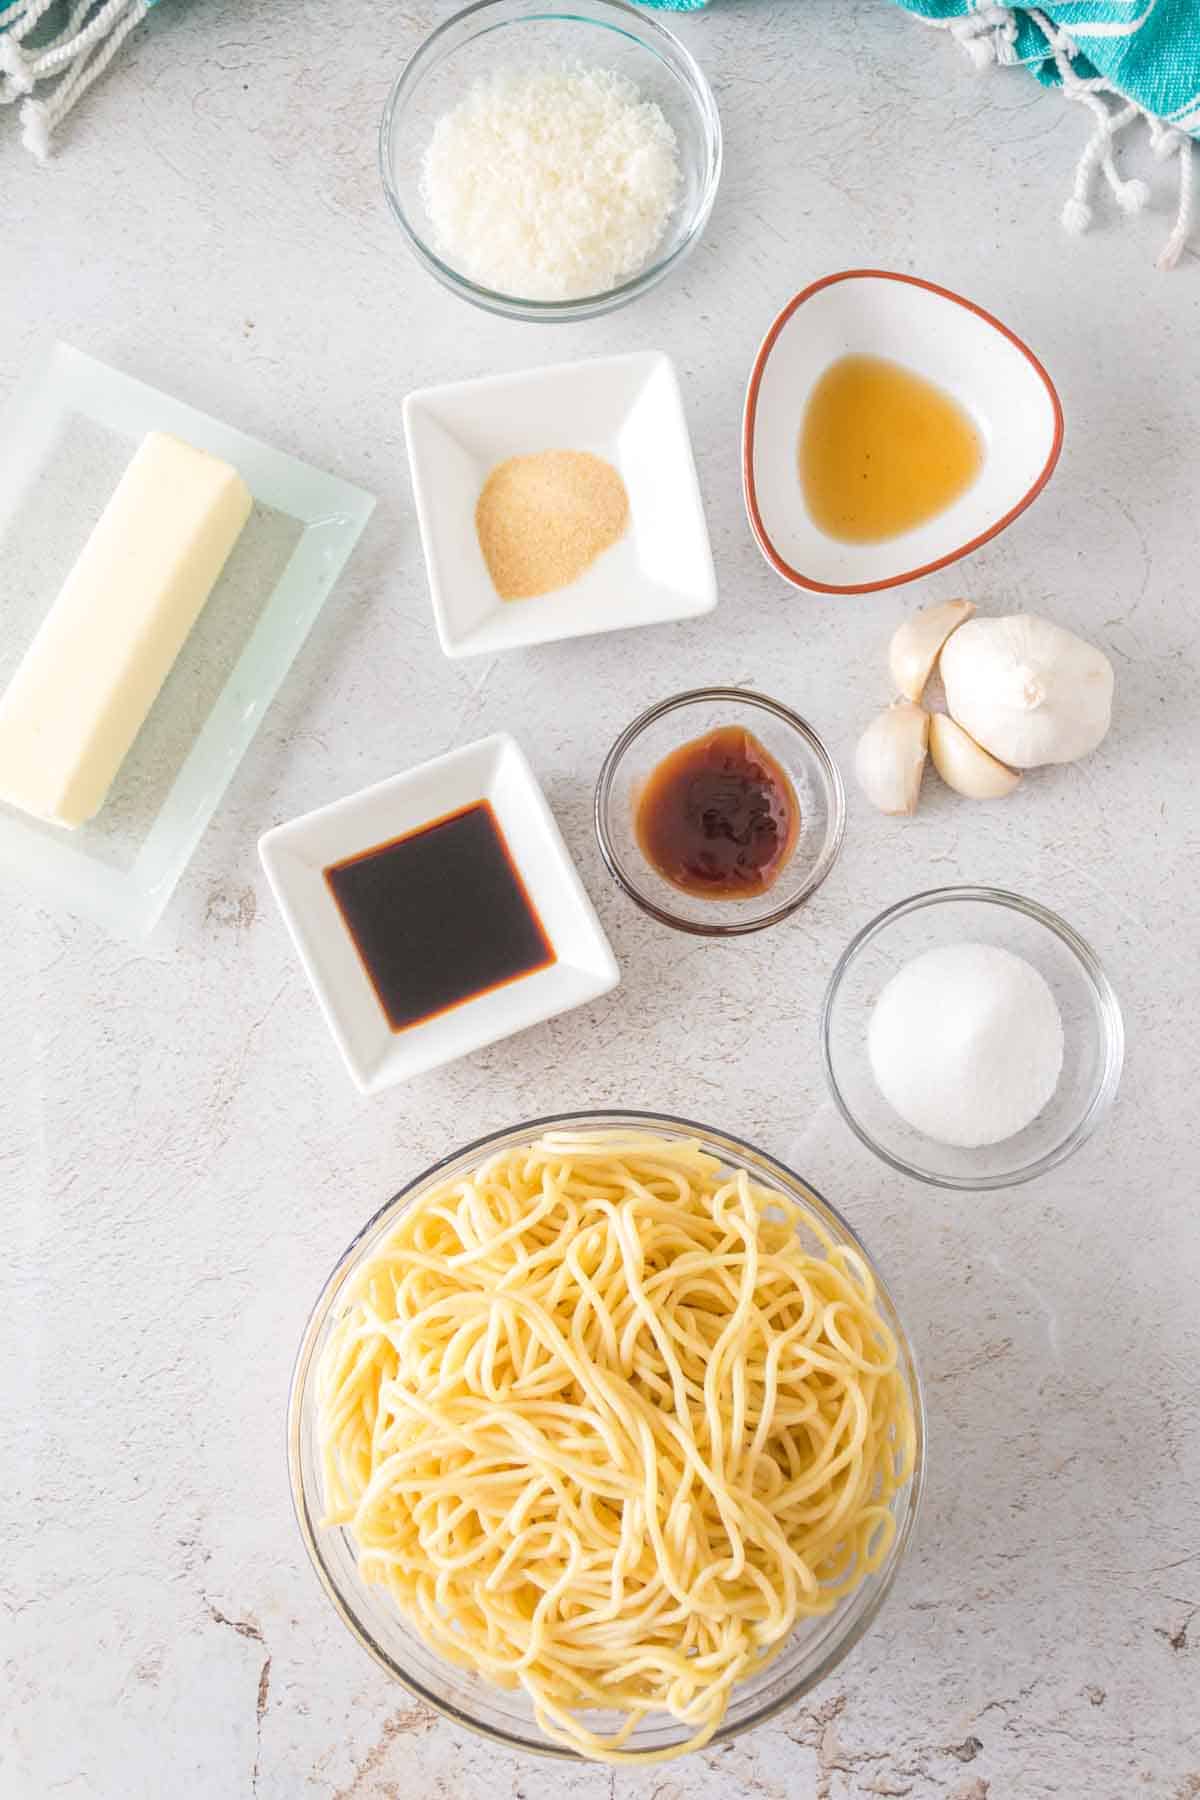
(965, 765)
(890, 758)
(916, 644)
(1027, 690)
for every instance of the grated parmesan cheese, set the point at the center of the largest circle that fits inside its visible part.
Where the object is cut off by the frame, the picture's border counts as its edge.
(550, 184)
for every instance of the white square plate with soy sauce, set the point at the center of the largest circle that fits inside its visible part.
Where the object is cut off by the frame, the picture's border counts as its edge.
(297, 855)
(627, 410)
(66, 437)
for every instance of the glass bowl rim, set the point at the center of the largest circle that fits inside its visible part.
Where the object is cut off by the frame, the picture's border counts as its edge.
(600, 1118)
(835, 792)
(1112, 1031)
(650, 35)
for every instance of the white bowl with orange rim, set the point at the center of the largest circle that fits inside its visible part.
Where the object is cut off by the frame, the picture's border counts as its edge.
(991, 379)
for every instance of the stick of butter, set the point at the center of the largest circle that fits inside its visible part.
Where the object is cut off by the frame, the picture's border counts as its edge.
(92, 673)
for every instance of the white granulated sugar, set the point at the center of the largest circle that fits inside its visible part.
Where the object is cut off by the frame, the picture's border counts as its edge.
(552, 183)
(966, 1043)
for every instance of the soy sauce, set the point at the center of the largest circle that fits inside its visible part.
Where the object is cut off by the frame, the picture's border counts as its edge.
(439, 916)
(718, 817)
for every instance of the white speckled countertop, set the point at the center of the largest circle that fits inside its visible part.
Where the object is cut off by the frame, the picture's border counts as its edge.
(183, 1157)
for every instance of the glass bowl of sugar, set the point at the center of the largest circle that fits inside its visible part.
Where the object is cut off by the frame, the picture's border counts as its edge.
(550, 165)
(971, 1038)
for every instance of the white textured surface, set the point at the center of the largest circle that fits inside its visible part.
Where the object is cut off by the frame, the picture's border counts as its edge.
(182, 1155)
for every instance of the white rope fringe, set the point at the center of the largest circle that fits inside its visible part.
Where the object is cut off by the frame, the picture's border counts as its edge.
(73, 58)
(988, 37)
(1167, 142)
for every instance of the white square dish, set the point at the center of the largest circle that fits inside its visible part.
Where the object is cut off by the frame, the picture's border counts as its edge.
(66, 437)
(296, 855)
(626, 409)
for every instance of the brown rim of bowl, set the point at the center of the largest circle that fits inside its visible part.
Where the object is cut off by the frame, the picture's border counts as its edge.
(751, 411)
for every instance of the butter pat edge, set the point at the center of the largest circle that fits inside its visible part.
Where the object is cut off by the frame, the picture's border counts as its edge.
(84, 687)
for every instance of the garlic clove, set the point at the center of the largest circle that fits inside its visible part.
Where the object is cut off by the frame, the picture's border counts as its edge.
(917, 644)
(965, 765)
(890, 758)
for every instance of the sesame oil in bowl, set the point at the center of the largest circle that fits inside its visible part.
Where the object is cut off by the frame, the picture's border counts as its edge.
(954, 384)
(883, 450)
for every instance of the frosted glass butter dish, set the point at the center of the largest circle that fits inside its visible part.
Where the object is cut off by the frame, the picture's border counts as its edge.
(66, 436)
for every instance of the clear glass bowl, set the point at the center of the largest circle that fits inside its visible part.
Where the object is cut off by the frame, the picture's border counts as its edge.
(1093, 1047)
(597, 33)
(814, 1649)
(792, 742)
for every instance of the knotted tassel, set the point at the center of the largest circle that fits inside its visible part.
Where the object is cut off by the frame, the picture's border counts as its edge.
(77, 54)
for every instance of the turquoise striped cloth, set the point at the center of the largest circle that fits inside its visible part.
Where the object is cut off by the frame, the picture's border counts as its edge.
(1126, 61)
(1148, 51)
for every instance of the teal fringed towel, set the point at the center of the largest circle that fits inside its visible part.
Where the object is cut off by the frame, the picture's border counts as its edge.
(60, 47)
(1148, 51)
(1124, 60)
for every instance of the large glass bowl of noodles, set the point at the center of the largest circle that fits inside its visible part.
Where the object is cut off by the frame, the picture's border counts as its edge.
(852, 1579)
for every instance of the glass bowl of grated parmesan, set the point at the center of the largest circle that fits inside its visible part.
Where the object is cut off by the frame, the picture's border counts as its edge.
(550, 165)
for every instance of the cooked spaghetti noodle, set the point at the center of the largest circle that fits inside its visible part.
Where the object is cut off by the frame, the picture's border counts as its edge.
(606, 1428)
